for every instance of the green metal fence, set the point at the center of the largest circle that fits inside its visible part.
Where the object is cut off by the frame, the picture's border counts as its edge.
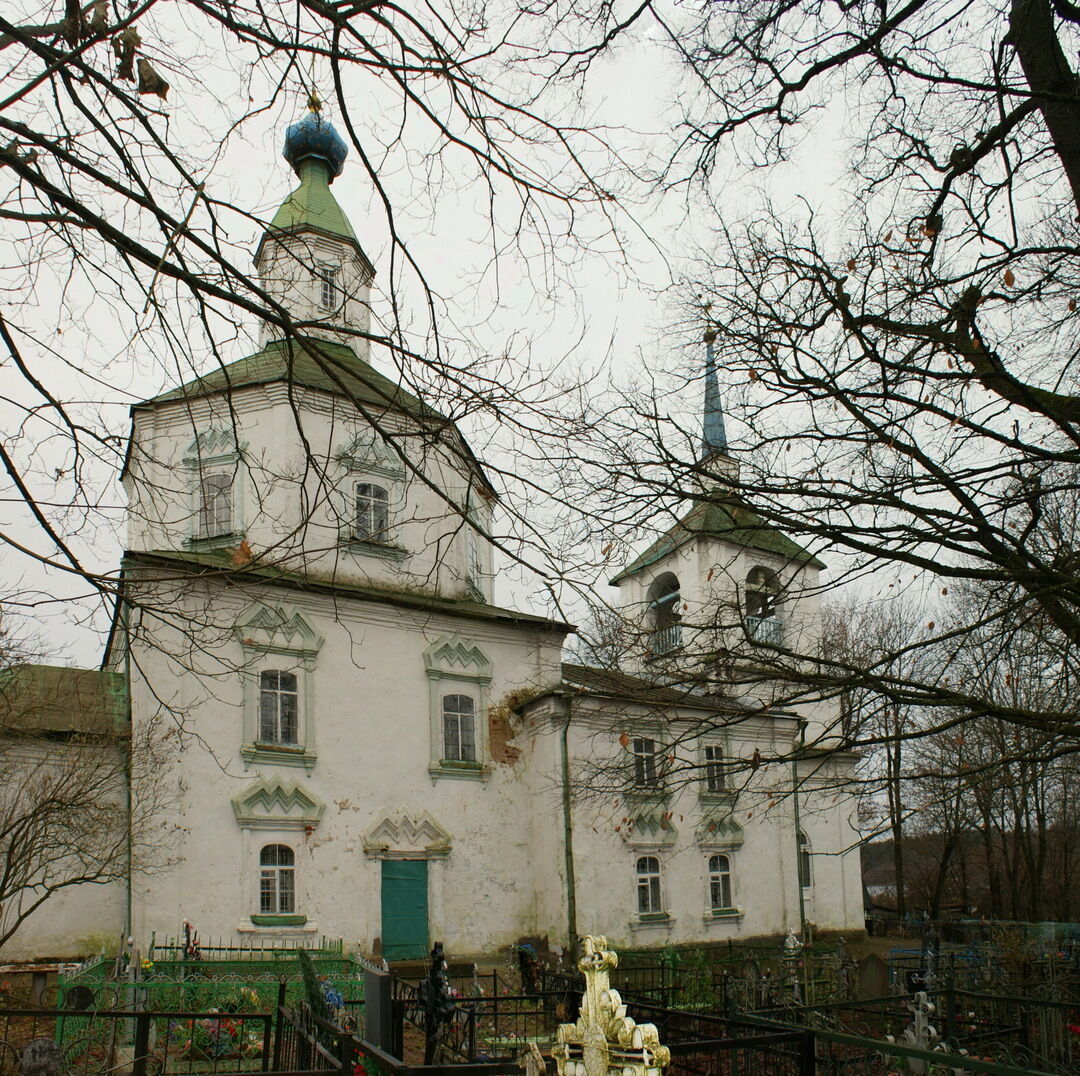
(246, 982)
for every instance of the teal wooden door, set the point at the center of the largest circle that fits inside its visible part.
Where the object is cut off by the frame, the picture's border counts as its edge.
(404, 909)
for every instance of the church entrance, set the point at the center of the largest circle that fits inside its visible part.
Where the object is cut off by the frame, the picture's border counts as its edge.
(404, 909)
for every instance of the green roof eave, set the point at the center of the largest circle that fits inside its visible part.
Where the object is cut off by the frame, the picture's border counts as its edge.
(219, 564)
(729, 519)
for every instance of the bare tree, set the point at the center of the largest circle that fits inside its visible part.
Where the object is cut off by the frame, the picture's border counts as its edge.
(81, 801)
(899, 371)
(121, 212)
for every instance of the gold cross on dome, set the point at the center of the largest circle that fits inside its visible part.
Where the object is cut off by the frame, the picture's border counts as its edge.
(605, 1041)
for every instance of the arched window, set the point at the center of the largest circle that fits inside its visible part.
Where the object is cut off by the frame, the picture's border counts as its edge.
(762, 601)
(665, 613)
(806, 868)
(648, 886)
(459, 728)
(277, 880)
(372, 512)
(278, 707)
(720, 883)
(215, 505)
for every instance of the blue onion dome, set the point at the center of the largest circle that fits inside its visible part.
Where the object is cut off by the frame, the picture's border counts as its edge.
(315, 137)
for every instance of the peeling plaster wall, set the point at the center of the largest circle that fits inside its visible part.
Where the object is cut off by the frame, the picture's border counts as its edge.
(295, 506)
(372, 738)
(764, 865)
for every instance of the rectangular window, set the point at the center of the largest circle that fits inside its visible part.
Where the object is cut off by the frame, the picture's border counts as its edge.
(372, 512)
(459, 728)
(328, 289)
(278, 708)
(646, 774)
(715, 779)
(215, 505)
(806, 868)
(473, 563)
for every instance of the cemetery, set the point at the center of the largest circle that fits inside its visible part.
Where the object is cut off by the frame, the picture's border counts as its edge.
(184, 1009)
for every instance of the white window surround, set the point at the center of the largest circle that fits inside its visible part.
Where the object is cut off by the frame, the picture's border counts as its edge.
(271, 812)
(455, 666)
(658, 792)
(649, 922)
(368, 459)
(214, 452)
(649, 877)
(721, 884)
(277, 638)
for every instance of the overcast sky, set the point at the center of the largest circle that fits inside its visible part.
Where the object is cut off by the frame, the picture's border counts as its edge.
(585, 306)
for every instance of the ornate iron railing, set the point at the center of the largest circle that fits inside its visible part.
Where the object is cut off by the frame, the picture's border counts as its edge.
(765, 629)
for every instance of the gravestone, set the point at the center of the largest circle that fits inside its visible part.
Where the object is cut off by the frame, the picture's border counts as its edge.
(873, 979)
(41, 1057)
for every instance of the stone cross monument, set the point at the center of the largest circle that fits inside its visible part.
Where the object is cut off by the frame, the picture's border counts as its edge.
(605, 1041)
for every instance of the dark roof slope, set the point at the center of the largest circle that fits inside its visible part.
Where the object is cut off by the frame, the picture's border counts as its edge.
(220, 564)
(723, 516)
(51, 699)
(322, 365)
(317, 364)
(614, 684)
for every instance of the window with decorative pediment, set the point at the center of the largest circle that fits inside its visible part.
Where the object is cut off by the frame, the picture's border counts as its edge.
(371, 497)
(280, 652)
(459, 674)
(275, 817)
(212, 461)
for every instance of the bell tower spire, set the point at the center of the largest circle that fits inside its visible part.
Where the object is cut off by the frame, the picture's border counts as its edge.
(713, 433)
(714, 454)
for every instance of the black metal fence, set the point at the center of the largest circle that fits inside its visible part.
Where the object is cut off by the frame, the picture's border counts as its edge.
(95, 1042)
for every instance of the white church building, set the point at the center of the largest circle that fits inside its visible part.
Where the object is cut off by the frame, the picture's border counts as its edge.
(364, 745)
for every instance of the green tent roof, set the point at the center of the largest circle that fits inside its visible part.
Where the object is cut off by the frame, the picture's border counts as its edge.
(317, 364)
(727, 517)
